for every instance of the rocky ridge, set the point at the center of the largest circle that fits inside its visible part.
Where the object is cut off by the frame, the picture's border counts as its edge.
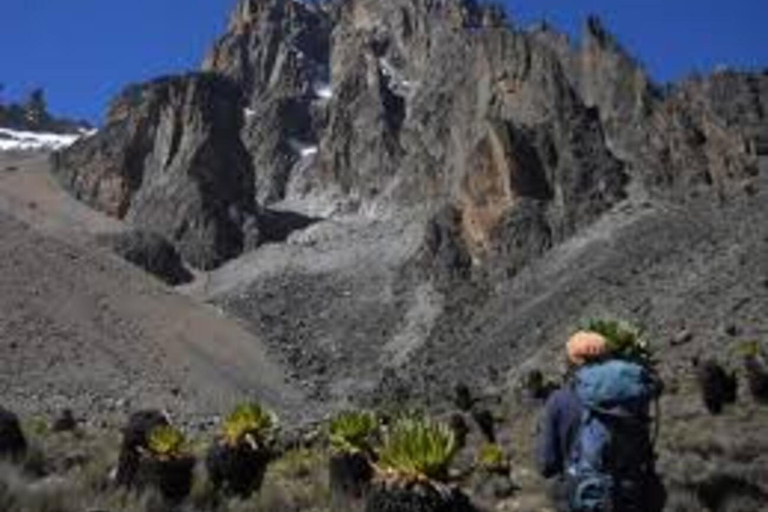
(491, 144)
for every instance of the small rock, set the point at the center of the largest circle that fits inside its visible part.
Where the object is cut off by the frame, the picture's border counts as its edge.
(66, 422)
(13, 444)
(732, 330)
(459, 427)
(150, 252)
(681, 338)
(494, 487)
(462, 398)
(486, 423)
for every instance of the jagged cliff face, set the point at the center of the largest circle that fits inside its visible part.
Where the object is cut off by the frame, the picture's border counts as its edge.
(373, 106)
(379, 107)
(170, 161)
(403, 105)
(277, 51)
(684, 142)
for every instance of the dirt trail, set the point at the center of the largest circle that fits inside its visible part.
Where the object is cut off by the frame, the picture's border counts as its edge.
(81, 328)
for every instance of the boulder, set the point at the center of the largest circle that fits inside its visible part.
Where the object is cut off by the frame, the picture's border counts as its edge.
(66, 422)
(13, 444)
(150, 252)
(136, 437)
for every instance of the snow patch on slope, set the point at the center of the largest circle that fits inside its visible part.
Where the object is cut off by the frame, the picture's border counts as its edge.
(11, 140)
(303, 149)
(324, 91)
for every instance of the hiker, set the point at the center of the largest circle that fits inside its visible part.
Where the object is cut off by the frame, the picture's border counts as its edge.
(595, 441)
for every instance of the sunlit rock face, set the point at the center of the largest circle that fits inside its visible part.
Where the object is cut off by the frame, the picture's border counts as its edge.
(170, 160)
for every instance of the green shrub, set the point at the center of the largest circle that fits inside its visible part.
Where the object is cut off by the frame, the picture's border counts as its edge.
(167, 442)
(418, 450)
(352, 431)
(251, 423)
(491, 458)
(624, 339)
(750, 349)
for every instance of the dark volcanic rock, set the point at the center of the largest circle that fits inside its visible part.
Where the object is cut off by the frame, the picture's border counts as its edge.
(66, 422)
(135, 438)
(717, 386)
(237, 470)
(417, 498)
(150, 252)
(13, 444)
(170, 160)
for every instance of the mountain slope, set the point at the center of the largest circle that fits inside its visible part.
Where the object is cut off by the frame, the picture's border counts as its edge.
(82, 329)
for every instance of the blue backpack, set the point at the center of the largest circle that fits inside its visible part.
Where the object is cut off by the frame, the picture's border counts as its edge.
(612, 453)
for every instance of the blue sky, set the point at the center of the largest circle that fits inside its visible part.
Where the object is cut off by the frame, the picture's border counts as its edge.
(83, 51)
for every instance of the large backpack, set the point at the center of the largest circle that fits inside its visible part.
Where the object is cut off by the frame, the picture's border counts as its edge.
(612, 453)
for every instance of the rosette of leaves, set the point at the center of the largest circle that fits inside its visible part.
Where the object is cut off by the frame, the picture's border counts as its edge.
(350, 434)
(167, 442)
(417, 449)
(491, 458)
(237, 462)
(167, 463)
(413, 463)
(353, 431)
(624, 339)
(250, 423)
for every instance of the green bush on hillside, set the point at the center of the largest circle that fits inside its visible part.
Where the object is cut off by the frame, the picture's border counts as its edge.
(167, 442)
(249, 422)
(624, 339)
(352, 431)
(417, 449)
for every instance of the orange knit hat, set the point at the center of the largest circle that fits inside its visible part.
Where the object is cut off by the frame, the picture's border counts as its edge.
(586, 345)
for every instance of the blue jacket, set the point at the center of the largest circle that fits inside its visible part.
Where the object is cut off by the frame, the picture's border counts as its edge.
(562, 416)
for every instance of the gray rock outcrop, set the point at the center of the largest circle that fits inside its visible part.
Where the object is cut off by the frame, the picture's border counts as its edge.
(151, 252)
(277, 51)
(371, 107)
(170, 160)
(698, 137)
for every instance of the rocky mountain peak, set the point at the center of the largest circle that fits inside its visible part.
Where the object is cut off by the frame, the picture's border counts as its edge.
(422, 105)
(272, 45)
(595, 32)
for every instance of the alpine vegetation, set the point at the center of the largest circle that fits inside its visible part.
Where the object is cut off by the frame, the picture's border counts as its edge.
(352, 436)
(238, 459)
